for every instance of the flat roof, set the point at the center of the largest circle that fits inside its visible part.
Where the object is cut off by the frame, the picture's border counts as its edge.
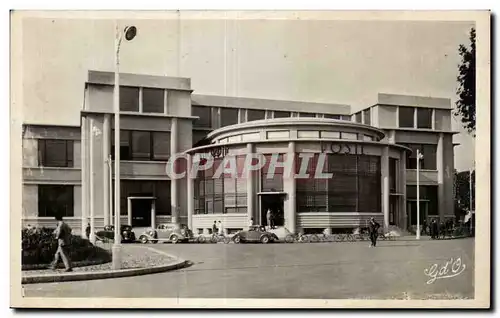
(410, 101)
(270, 104)
(139, 80)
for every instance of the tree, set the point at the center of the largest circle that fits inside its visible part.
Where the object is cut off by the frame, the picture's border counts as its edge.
(462, 191)
(466, 104)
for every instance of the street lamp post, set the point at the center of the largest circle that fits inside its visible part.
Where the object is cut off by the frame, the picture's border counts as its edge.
(470, 199)
(129, 33)
(419, 157)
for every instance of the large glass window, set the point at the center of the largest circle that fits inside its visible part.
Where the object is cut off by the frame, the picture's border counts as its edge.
(307, 115)
(427, 194)
(406, 117)
(55, 153)
(153, 100)
(129, 98)
(228, 116)
(424, 118)
(332, 116)
(204, 114)
(281, 114)
(274, 184)
(225, 194)
(143, 145)
(367, 116)
(253, 114)
(311, 192)
(357, 117)
(393, 165)
(428, 160)
(198, 135)
(54, 200)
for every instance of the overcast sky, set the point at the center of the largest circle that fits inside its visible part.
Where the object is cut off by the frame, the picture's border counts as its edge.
(346, 62)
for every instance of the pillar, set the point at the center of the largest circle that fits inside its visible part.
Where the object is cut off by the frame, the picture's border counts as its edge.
(174, 182)
(91, 182)
(440, 169)
(403, 216)
(385, 185)
(290, 215)
(105, 151)
(190, 192)
(153, 213)
(129, 211)
(84, 173)
(250, 189)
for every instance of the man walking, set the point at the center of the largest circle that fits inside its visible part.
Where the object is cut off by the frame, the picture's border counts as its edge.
(373, 229)
(63, 236)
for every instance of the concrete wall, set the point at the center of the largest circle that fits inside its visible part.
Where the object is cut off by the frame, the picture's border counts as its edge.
(416, 101)
(30, 152)
(386, 116)
(179, 103)
(416, 137)
(30, 200)
(448, 179)
(442, 120)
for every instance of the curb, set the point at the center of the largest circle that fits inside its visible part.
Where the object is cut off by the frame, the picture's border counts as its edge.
(70, 277)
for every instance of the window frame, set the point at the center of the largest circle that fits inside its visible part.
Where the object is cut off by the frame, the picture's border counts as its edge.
(69, 152)
(144, 104)
(130, 154)
(43, 202)
(400, 108)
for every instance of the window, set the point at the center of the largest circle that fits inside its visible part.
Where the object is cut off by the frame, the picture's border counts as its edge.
(129, 99)
(204, 114)
(427, 194)
(253, 114)
(357, 117)
(142, 145)
(307, 115)
(158, 189)
(428, 161)
(274, 184)
(55, 153)
(161, 145)
(153, 100)
(55, 200)
(198, 135)
(347, 135)
(332, 116)
(366, 115)
(424, 118)
(281, 114)
(228, 116)
(311, 192)
(406, 117)
(225, 194)
(393, 164)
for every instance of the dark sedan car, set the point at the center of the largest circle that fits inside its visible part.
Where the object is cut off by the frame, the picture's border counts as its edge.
(127, 235)
(255, 234)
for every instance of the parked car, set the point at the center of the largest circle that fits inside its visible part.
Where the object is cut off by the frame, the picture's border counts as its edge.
(108, 233)
(167, 232)
(256, 233)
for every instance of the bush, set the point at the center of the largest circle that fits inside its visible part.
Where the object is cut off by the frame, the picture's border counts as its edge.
(39, 246)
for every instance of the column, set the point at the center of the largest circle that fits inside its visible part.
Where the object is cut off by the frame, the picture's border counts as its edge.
(250, 189)
(385, 185)
(84, 174)
(403, 218)
(129, 211)
(106, 150)
(440, 169)
(291, 215)
(153, 213)
(174, 182)
(190, 192)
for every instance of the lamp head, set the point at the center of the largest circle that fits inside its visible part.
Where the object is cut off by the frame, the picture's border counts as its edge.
(130, 32)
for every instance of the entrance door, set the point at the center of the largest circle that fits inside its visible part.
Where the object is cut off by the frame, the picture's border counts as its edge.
(275, 203)
(393, 210)
(411, 210)
(141, 213)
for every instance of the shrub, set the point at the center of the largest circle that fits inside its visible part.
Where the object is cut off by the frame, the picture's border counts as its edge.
(39, 246)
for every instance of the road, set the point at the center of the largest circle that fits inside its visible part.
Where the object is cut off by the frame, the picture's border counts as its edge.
(317, 271)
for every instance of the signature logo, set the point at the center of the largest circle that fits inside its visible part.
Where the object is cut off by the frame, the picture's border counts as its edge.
(451, 268)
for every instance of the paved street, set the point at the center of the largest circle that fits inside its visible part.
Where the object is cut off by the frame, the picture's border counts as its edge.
(322, 270)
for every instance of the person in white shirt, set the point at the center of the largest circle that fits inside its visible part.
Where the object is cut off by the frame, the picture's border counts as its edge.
(221, 230)
(250, 223)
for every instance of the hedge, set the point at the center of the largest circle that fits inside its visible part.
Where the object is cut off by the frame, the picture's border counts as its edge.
(39, 246)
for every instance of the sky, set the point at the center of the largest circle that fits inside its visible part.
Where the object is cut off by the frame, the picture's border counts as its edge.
(330, 61)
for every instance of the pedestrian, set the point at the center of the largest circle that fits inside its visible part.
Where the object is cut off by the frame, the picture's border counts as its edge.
(424, 227)
(434, 229)
(268, 217)
(214, 228)
(87, 231)
(250, 223)
(221, 230)
(63, 236)
(373, 227)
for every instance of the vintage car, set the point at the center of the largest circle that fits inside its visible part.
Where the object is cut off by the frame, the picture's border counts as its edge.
(256, 233)
(167, 232)
(108, 233)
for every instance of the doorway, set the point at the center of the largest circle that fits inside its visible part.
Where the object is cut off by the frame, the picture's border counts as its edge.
(274, 202)
(411, 210)
(141, 212)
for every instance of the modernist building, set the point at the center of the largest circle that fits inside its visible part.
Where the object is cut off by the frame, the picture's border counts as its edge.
(371, 155)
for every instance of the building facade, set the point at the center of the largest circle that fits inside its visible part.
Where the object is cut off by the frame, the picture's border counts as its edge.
(68, 170)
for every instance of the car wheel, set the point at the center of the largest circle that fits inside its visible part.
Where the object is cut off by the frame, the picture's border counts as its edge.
(200, 239)
(174, 239)
(289, 238)
(143, 239)
(237, 239)
(264, 239)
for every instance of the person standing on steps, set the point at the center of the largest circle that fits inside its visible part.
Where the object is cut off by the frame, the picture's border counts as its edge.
(250, 223)
(268, 218)
(63, 236)
(214, 228)
(373, 227)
